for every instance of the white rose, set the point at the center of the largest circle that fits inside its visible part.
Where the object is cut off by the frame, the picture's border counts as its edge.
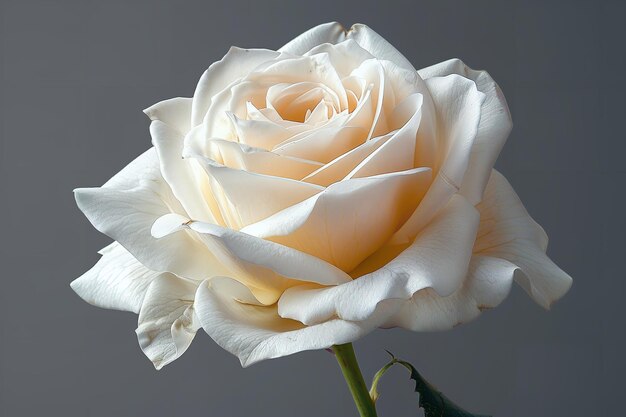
(307, 196)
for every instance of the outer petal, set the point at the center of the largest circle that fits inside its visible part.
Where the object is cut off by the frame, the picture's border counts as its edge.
(230, 314)
(167, 322)
(331, 32)
(118, 281)
(487, 284)
(458, 104)
(438, 259)
(335, 33)
(493, 129)
(377, 45)
(126, 207)
(175, 112)
(508, 232)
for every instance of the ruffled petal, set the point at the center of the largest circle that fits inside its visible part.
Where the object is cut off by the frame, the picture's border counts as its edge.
(438, 259)
(487, 284)
(508, 232)
(118, 281)
(331, 32)
(167, 322)
(231, 316)
(335, 33)
(493, 129)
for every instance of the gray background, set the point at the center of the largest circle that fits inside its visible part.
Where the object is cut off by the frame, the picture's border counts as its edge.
(75, 76)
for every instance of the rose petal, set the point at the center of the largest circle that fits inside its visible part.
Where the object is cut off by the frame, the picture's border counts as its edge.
(117, 281)
(314, 68)
(239, 156)
(183, 176)
(397, 153)
(253, 256)
(260, 134)
(335, 33)
(331, 32)
(493, 129)
(340, 167)
(438, 259)
(249, 197)
(508, 232)
(167, 322)
(458, 104)
(487, 284)
(126, 207)
(324, 144)
(237, 63)
(227, 311)
(349, 220)
(376, 45)
(344, 56)
(175, 112)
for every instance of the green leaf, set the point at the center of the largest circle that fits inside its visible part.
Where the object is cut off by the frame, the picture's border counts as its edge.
(434, 403)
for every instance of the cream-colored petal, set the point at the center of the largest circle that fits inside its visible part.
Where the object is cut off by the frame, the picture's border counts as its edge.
(323, 144)
(126, 207)
(315, 69)
(340, 167)
(118, 281)
(397, 153)
(259, 134)
(236, 64)
(335, 33)
(458, 103)
(227, 311)
(376, 45)
(493, 129)
(331, 32)
(349, 220)
(256, 262)
(185, 178)
(239, 156)
(508, 232)
(249, 197)
(438, 259)
(382, 99)
(167, 322)
(175, 112)
(344, 56)
(487, 284)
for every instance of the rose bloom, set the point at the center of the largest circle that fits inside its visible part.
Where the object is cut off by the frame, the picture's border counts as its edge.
(304, 197)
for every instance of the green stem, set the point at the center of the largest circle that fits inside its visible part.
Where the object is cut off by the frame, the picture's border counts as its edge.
(352, 374)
